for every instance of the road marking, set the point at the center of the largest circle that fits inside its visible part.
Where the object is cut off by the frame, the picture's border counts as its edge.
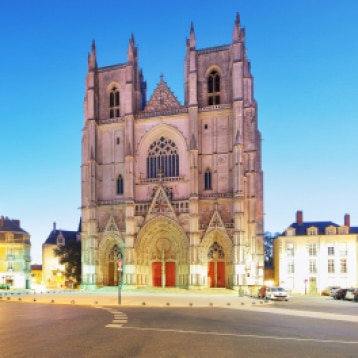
(119, 318)
(114, 326)
(255, 336)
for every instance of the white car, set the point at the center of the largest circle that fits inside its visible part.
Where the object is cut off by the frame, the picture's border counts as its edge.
(276, 293)
(350, 294)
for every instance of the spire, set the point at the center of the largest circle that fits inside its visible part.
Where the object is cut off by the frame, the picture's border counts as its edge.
(131, 47)
(236, 32)
(92, 61)
(192, 40)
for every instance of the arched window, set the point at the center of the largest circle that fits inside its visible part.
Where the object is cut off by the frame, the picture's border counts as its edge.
(207, 179)
(216, 251)
(114, 103)
(213, 88)
(163, 159)
(115, 254)
(120, 184)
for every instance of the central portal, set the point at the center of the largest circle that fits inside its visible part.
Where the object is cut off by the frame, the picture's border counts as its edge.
(163, 274)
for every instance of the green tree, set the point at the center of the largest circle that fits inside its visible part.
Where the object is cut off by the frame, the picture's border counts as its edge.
(70, 256)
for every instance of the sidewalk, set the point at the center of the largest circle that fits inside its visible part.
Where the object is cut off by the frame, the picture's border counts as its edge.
(110, 296)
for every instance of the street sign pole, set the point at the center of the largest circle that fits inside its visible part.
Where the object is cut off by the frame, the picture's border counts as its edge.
(119, 281)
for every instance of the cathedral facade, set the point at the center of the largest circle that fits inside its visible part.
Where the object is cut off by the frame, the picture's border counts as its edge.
(172, 194)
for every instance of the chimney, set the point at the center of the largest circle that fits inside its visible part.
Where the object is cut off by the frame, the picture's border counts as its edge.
(347, 220)
(299, 217)
(54, 226)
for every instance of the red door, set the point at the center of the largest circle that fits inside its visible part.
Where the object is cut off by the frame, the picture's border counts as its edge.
(211, 274)
(170, 274)
(220, 276)
(110, 274)
(216, 274)
(157, 274)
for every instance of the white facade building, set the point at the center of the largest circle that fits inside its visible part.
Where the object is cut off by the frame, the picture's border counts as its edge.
(311, 256)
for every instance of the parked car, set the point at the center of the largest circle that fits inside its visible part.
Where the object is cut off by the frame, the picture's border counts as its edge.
(350, 294)
(262, 292)
(356, 297)
(276, 293)
(334, 291)
(4, 286)
(340, 294)
(328, 290)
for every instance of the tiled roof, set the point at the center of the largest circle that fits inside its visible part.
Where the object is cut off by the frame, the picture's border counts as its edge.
(68, 236)
(301, 229)
(7, 224)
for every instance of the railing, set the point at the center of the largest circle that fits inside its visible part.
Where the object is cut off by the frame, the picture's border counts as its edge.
(215, 107)
(168, 112)
(215, 195)
(181, 206)
(158, 180)
(111, 120)
(213, 49)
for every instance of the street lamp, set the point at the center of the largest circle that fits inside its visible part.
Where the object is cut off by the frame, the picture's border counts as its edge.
(306, 286)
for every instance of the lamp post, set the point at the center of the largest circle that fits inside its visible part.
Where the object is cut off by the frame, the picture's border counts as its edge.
(120, 269)
(306, 286)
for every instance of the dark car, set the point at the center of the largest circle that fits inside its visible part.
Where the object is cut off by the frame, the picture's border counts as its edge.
(340, 294)
(355, 297)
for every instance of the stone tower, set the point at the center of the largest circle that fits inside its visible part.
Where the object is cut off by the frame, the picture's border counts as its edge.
(174, 192)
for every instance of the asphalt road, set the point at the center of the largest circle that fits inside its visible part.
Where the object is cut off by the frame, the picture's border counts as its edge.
(45, 330)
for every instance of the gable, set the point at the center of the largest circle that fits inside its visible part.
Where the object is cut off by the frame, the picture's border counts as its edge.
(162, 99)
(160, 205)
(111, 225)
(216, 222)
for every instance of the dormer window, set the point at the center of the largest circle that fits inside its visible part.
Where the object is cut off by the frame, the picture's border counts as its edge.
(114, 103)
(60, 241)
(312, 231)
(213, 88)
(330, 230)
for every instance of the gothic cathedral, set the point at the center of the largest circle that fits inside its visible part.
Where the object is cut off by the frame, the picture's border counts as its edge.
(171, 192)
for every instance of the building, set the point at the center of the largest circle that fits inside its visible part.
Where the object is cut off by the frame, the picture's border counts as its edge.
(310, 256)
(173, 192)
(36, 275)
(53, 273)
(15, 256)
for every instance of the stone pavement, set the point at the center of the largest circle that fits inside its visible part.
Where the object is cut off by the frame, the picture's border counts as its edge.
(157, 297)
(152, 297)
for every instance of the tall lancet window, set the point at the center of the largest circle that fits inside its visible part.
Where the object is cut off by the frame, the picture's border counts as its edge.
(114, 103)
(120, 184)
(163, 159)
(213, 88)
(207, 179)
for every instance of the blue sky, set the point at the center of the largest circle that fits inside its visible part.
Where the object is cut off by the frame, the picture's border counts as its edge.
(304, 56)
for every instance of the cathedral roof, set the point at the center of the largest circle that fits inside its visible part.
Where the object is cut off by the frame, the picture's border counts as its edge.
(162, 99)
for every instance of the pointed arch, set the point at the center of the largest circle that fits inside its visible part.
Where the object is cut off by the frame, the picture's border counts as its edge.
(110, 249)
(162, 254)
